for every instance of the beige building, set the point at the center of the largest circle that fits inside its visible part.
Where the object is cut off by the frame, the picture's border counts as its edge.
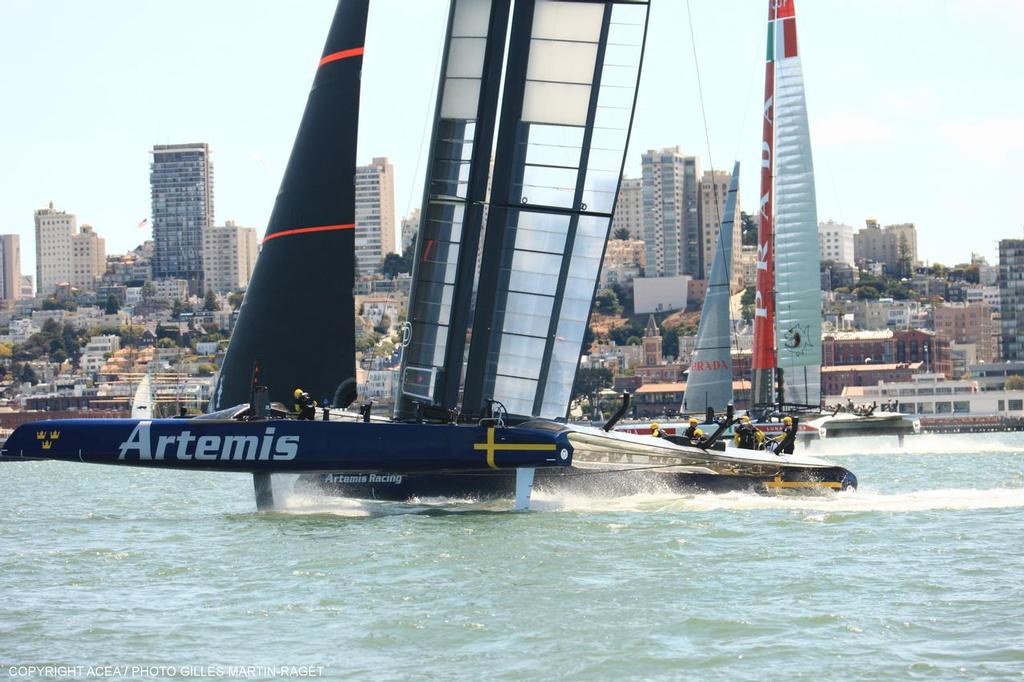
(229, 255)
(54, 230)
(88, 258)
(969, 324)
(714, 187)
(886, 244)
(375, 215)
(629, 208)
(64, 255)
(10, 270)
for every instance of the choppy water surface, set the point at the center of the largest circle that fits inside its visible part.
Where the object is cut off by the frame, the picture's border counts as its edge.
(917, 575)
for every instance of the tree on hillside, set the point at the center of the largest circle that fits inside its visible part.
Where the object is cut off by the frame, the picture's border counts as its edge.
(607, 303)
(749, 227)
(112, 306)
(210, 302)
(589, 381)
(621, 233)
(905, 265)
(394, 264)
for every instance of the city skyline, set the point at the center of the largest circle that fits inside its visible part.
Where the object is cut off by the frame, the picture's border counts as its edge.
(892, 139)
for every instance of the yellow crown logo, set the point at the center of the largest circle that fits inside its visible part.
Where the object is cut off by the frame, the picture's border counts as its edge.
(54, 435)
(47, 445)
(40, 435)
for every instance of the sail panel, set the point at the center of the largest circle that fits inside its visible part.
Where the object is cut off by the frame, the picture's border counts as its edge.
(709, 382)
(453, 204)
(305, 269)
(565, 127)
(798, 283)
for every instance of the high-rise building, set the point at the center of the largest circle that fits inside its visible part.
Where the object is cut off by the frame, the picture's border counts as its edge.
(27, 286)
(1011, 298)
(181, 186)
(835, 242)
(375, 215)
(890, 245)
(671, 196)
(88, 258)
(229, 255)
(10, 269)
(410, 227)
(629, 208)
(54, 230)
(714, 186)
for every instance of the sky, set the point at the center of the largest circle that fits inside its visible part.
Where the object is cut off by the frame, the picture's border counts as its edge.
(916, 107)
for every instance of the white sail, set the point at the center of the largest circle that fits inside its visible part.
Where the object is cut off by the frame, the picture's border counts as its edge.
(797, 279)
(709, 381)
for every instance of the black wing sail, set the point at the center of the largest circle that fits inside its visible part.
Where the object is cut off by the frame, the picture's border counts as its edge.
(297, 319)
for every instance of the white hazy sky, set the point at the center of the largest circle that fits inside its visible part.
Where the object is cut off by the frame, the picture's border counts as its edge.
(916, 106)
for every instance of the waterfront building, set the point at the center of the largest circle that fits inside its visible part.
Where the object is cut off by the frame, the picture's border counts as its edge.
(375, 215)
(181, 188)
(835, 242)
(933, 395)
(229, 255)
(1011, 298)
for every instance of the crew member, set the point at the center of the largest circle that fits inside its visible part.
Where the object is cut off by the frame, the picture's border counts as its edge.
(656, 430)
(304, 405)
(784, 442)
(747, 436)
(693, 434)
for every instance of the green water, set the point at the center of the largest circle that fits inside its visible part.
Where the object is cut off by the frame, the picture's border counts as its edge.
(915, 576)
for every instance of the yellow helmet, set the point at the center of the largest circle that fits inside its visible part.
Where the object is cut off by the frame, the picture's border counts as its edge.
(298, 392)
(787, 421)
(654, 425)
(745, 418)
(698, 432)
(693, 420)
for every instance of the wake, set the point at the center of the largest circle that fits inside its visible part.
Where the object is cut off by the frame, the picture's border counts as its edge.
(924, 444)
(958, 499)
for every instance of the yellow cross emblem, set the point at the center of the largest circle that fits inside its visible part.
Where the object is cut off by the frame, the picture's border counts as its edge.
(491, 447)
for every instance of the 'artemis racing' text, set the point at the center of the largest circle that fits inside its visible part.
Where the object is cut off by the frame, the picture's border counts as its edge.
(209, 448)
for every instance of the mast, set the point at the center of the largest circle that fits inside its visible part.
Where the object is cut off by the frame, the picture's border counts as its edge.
(709, 381)
(305, 271)
(798, 282)
(763, 362)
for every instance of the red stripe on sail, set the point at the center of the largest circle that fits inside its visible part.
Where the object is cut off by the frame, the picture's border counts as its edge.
(306, 230)
(785, 9)
(343, 54)
(789, 32)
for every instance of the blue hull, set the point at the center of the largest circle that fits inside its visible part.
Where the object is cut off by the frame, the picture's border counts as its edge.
(289, 446)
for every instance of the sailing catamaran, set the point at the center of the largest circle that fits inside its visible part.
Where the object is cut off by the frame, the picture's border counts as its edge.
(787, 312)
(494, 351)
